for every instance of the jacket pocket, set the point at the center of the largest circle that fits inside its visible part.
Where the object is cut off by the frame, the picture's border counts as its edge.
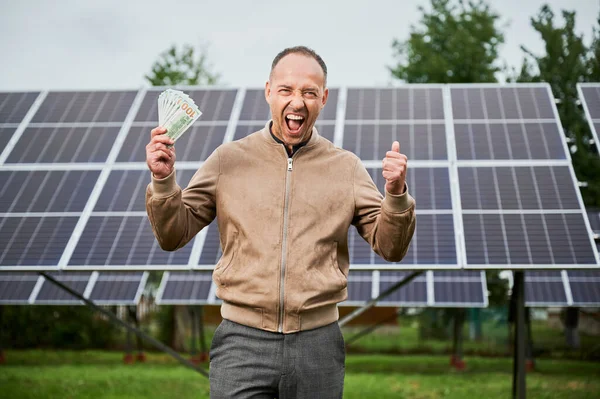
(343, 280)
(226, 263)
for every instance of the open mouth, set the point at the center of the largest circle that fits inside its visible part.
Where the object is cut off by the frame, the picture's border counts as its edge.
(294, 122)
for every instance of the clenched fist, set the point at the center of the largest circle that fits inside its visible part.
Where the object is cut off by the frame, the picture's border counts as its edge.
(394, 170)
(159, 157)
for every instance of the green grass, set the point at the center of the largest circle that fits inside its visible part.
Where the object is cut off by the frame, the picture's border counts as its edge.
(94, 374)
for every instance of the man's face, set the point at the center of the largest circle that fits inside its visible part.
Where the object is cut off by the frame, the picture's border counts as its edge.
(296, 94)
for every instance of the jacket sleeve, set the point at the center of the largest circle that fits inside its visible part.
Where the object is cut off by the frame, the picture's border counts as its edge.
(178, 215)
(387, 224)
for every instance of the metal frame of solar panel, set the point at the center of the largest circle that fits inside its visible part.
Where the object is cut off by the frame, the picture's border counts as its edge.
(589, 94)
(102, 224)
(104, 288)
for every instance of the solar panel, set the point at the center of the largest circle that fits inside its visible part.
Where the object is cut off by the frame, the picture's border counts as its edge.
(34, 241)
(125, 190)
(64, 144)
(413, 103)
(45, 191)
(432, 288)
(84, 107)
(589, 94)
(562, 288)
(16, 288)
(118, 288)
(51, 294)
(123, 241)
(108, 288)
(14, 106)
(521, 206)
(186, 288)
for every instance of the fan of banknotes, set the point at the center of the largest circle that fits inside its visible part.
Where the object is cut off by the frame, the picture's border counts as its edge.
(176, 112)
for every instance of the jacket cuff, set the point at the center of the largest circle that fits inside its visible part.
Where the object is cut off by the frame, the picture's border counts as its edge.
(164, 187)
(398, 203)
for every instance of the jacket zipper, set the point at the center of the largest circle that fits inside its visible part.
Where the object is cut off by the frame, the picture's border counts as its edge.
(284, 241)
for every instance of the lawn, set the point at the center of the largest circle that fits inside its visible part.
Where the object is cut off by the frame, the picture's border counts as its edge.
(94, 374)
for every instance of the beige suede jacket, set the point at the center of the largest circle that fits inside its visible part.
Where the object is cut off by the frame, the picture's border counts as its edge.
(283, 225)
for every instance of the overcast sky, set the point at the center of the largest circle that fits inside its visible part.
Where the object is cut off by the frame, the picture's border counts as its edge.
(111, 44)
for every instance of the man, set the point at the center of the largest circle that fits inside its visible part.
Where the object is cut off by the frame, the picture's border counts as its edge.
(284, 198)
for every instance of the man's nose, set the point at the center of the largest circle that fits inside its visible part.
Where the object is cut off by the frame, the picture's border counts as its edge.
(297, 101)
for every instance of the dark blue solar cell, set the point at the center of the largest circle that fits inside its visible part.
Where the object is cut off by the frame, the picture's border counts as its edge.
(64, 144)
(34, 241)
(51, 293)
(586, 292)
(418, 141)
(458, 292)
(92, 106)
(192, 287)
(591, 95)
(46, 191)
(16, 288)
(125, 190)
(508, 141)
(123, 241)
(14, 106)
(211, 251)
(413, 292)
(545, 292)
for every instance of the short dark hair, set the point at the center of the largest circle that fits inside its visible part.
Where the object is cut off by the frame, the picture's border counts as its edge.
(308, 52)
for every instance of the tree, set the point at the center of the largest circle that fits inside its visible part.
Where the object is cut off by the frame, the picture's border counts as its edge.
(185, 67)
(456, 42)
(566, 62)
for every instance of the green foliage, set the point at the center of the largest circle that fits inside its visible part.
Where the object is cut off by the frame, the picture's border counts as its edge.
(182, 67)
(455, 42)
(64, 327)
(566, 62)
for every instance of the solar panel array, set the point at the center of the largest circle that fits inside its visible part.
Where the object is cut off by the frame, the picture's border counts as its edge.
(589, 94)
(488, 165)
(104, 288)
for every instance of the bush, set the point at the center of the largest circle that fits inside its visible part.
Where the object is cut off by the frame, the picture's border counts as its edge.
(56, 327)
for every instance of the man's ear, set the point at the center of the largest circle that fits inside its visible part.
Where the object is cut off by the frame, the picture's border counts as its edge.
(268, 92)
(325, 96)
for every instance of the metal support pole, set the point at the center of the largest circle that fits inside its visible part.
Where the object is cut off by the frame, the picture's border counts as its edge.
(374, 301)
(120, 322)
(192, 313)
(2, 358)
(202, 337)
(530, 362)
(519, 390)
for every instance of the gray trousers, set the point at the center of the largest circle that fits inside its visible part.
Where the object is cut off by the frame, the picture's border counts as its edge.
(247, 362)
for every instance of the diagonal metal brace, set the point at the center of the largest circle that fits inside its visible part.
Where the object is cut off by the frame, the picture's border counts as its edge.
(382, 295)
(120, 322)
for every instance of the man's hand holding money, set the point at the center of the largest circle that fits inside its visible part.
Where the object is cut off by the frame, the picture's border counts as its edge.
(159, 157)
